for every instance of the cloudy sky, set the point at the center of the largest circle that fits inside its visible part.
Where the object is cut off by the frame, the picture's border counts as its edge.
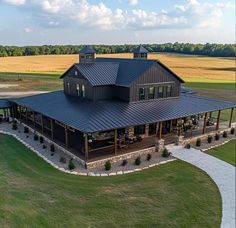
(36, 22)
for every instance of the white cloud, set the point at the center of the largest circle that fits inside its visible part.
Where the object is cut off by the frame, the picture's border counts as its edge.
(27, 30)
(133, 2)
(15, 2)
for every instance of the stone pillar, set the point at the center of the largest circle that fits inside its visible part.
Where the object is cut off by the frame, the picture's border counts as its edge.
(130, 132)
(146, 130)
(160, 145)
(179, 140)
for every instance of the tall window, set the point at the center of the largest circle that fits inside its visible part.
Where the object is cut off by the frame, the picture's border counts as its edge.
(77, 89)
(151, 91)
(141, 93)
(83, 90)
(68, 87)
(160, 92)
(169, 91)
(76, 73)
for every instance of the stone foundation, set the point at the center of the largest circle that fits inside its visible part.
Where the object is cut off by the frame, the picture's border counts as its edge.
(160, 145)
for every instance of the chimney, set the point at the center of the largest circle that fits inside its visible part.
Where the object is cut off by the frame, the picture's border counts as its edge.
(87, 55)
(140, 53)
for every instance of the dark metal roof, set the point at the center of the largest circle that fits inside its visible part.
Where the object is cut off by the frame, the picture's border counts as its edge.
(87, 50)
(99, 73)
(89, 116)
(4, 103)
(140, 49)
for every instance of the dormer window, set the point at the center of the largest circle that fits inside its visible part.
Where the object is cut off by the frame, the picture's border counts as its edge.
(169, 91)
(151, 93)
(160, 92)
(141, 93)
(77, 89)
(76, 73)
(83, 90)
(68, 87)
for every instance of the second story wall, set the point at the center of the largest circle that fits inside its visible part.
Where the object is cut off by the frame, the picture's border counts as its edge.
(155, 83)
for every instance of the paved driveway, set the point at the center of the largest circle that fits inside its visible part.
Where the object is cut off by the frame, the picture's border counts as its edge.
(221, 172)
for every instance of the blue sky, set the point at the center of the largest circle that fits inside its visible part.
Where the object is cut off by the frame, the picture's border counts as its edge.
(37, 22)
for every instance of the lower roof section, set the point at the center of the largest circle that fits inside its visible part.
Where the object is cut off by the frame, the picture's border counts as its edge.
(4, 103)
(88, 116)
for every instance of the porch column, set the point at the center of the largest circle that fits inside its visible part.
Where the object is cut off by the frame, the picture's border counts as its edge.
(115, 141)
(20, 111)
(218, 120)
(51, 123)
(204, 124)
(146, 130)
(42, 122)
(26, 115)
(66, 136)
(231, 116)
(171, 125)
(86, 147)
(34, 119)
(160, 130)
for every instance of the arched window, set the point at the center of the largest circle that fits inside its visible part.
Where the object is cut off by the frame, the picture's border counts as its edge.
(77, 89)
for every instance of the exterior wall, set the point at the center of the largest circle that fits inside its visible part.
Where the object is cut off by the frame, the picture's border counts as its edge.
(156, 75)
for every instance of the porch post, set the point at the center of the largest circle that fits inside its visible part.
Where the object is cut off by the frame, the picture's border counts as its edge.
(34, 119)
(115, 141)
(66, 136)
(204, 124)
(26, 115)
(86, 147)
(51, 123)
(20, 111)
(218, 120)
(160, 130)
(42, 122)
(231, 116)
(171, 125)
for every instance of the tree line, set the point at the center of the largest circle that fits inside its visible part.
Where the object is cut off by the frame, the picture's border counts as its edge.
(216, 50)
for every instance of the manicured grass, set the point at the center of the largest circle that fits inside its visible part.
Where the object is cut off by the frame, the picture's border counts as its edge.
(225, 115)
(34, 194)
(210, 85)
(226, 152)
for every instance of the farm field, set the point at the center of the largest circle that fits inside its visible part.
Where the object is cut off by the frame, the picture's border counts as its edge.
(34, 194)
(42, 72)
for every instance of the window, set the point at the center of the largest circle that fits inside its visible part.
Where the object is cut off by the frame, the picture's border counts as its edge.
(76, 73)
(68, 87)
(151, 93)
(169, 91)
(160, 92)
(77, 89)
(139, 130)
(83, 90)
(141, 93)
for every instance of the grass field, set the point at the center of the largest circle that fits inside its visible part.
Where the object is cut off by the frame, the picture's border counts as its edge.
(225, 152)
(34, 194)
(197, 71)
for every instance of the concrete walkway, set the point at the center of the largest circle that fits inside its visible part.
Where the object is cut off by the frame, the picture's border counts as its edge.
(221, 172)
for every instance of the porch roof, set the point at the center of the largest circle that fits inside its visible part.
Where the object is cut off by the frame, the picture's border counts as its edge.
(4, 103)
(88, 116)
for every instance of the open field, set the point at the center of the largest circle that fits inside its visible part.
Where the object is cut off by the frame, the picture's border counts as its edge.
(226, 152)
(197, 71)
(34, 194)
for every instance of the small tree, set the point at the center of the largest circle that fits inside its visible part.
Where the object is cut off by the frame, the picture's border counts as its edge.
(107, 165)
(26, 130)
(137, 161)
(198, 142)
(209, 138)
(52, 148)
(71, 165)
(36, 137)
(124, 162)
(149, 156)
(217, 136)
(41, 139)
(14, 126)
(225, 134)
(187, 146)
(165, 153)
(232, 131)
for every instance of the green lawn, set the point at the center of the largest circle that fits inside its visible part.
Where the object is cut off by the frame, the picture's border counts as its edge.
(211, 85)
(34, 194)
(225, 152)
(225, 115)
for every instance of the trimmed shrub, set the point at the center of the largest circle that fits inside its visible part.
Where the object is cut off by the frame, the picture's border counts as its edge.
(52, 154)
(26, 130)
(44, 147)
(62, 160)
(198, 142)
(225, 134)
(137, 161)
(41, 139)
(149, 156)
(14, 122)
(14, 126)
(124, 163)
(165, 153)
(27, 136)
(107, 165)
(217, 136)
(52, 148)
(36, 137)
(71, 165)
(187, 146)
(209, 138)
(232, 131)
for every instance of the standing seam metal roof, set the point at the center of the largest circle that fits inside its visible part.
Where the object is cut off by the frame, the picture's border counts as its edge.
(4, 103)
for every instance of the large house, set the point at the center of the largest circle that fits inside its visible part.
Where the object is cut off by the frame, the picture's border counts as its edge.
(111, 107)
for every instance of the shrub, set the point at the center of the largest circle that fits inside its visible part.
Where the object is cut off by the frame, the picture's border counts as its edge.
(232, 131)
(26, 130)
(209, 138)
(124, 163)
(36, 137)
(52, 154)
(217, 136)
(14, 126)
(52, 148)
(187, 146)
(225, 134)
(107, 165)
(198, 142)
(27, 136)
(71, 165)
(41, 139)
(165, 153)
(137, 161)
(44, 147)
(14, 122)
(149, 156)
(62, 160)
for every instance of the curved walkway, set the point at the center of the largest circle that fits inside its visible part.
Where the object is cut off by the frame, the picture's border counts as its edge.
(221, 172)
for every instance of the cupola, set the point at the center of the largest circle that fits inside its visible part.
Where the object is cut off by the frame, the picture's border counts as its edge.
(140, 53)
(87, 55)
